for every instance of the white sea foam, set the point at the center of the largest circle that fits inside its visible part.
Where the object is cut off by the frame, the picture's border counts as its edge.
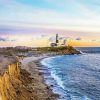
(57, 79)
(65, 92)
(53, 74)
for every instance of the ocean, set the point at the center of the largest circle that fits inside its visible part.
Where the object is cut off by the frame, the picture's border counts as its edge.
(74, 77)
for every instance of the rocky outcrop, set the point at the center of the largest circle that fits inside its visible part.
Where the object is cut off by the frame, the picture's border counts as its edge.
(14, 84)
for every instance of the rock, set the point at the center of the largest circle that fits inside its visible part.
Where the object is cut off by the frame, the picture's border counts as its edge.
(12, 85)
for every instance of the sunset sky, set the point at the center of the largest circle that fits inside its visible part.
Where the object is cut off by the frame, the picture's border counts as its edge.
(35, 22)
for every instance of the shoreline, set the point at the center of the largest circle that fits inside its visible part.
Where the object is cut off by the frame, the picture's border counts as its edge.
(49, 79)
(60, 91)
(36, 62)
(43, 72)
(22, 80)
(26, 80)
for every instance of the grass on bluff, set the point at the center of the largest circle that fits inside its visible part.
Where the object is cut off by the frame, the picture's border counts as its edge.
(55, 49)
(10, 51)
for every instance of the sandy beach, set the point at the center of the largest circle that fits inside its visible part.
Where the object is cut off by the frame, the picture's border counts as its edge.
(43, 91)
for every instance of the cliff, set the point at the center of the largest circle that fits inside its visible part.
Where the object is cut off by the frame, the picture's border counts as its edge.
(62, 50)
(17, 84)
(13, 84)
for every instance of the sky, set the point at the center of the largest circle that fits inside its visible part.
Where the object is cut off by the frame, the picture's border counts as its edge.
(35, 22)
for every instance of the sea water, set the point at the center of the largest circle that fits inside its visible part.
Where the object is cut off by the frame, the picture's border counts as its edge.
(75, 77)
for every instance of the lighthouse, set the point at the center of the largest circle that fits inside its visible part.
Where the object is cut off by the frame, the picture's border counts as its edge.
(58, 41)
(57, 38)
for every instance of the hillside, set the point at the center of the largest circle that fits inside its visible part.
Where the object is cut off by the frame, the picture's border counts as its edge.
(62, 50)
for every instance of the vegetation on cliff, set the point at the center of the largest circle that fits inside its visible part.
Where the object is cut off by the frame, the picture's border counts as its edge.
(58, 50)
(20, 51)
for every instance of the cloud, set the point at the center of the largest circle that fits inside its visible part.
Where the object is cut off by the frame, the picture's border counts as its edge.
(93, 40)
(73, 15)
(13, 40)
(42, 36)
(3, 39)
(78, 39)
(52, 39)
(6, 39)
(6, 1)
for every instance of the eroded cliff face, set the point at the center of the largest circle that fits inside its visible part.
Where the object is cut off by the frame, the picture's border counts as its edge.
(18, 84)
(14, 84)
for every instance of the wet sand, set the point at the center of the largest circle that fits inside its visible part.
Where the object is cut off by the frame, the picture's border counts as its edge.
(43, 91)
